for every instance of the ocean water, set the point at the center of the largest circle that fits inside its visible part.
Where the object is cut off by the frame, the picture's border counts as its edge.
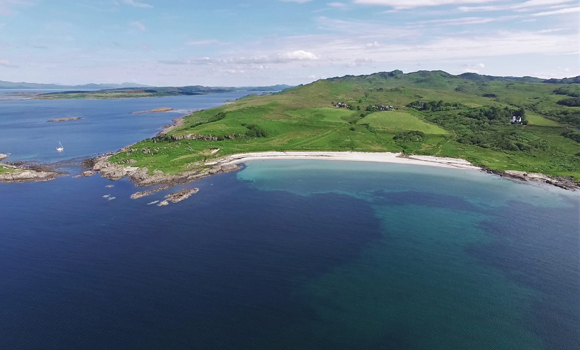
(106, 125)
(289, 254)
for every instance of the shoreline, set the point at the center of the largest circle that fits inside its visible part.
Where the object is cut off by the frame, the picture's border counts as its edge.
(231, 163)
(378, 157)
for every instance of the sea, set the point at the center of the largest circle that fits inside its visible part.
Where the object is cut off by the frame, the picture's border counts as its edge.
(283, 254)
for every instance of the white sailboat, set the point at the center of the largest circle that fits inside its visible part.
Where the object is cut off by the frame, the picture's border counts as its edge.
(61, 148)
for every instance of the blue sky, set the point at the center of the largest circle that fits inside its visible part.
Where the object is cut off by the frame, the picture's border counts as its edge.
(263, 42)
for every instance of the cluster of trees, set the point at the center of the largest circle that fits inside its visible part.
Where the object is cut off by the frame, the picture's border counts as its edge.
(569, 90)
(255, 131)
(487, 127)
(410, 136)
(215, 118)
(504, 140)
(570, 102)
(495, 115)
(434, 106)
(571, 134)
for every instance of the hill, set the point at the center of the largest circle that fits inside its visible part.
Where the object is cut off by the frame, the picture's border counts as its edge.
(434, 113)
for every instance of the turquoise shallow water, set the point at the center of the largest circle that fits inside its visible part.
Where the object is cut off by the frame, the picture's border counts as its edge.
(433, 280)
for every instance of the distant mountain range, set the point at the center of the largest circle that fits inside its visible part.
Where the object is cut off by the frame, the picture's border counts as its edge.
(36, 86)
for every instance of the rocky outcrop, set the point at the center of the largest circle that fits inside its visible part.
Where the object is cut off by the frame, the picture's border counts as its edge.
(566, 183)
(181, 195)
(176, 123)
(138, 195)
(141, 176)
(17, 175)
(3, 156)
(178, 196)
(87, 173)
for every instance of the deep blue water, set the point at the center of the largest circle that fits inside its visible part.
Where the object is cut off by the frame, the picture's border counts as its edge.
(292, 255)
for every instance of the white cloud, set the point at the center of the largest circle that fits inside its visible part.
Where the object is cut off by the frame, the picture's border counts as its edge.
(298, 1)
(524, 6)
(409, 4)
(460, 21)
(558, 12)
(299, 55)
(203, 42)
(137, 25)
(255, 62)
(136, 3)
(6, 63)
(336, 4)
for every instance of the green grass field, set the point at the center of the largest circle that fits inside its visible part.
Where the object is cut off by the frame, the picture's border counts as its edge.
(536, 119)
(393, 121)
(472, 123)
(4, 170)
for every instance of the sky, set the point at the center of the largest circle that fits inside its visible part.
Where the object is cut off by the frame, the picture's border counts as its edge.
(266, 42)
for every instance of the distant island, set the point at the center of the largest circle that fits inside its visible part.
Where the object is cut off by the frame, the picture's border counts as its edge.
(508, 126)
(152, 92)
(60, 120)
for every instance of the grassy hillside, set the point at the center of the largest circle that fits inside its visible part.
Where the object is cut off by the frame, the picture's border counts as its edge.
(435, 114)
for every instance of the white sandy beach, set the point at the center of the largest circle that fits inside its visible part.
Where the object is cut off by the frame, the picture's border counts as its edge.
(382, 157)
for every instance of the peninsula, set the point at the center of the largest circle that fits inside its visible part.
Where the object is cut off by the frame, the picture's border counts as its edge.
(508, 126)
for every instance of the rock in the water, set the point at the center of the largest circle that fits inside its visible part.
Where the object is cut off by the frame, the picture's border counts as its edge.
(162, 204)
(87, 173)
(3, 156)
(60, 120)
(181, 195)
(19, 174)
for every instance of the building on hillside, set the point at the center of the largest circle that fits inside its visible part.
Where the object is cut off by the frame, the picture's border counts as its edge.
(516, 119)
